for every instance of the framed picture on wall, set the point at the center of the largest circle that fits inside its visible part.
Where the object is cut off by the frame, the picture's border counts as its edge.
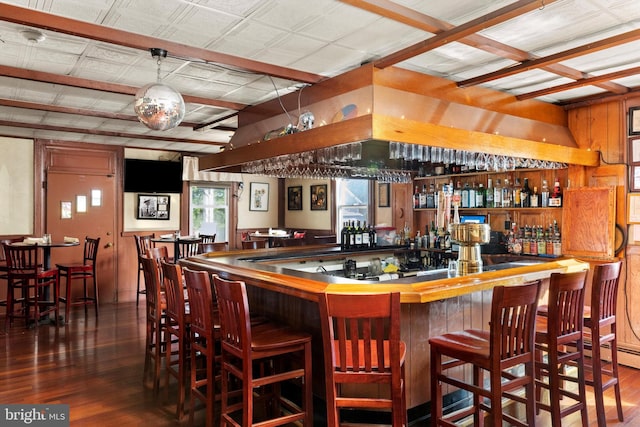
(294, 198)
(634, 121)
(319, 197)
(152, 206)
(259, 196)
(383, 195)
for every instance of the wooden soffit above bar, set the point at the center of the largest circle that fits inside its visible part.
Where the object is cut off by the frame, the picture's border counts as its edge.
(400, 105)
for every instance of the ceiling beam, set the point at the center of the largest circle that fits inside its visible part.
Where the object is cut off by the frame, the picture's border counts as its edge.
(427, 23)
(106, 133)
(557, 57)
(454, 34)
(103, 114)
(44, 77)
(37, 19)
(579, 83)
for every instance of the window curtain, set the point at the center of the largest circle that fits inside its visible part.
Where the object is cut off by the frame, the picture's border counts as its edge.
(191, 172)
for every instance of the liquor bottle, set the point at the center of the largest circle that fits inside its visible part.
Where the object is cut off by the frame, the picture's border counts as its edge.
(525, 194)
(416, 198)
(480, 194)
(555, 198)
(544, 194)
(534, 198)
(423, 197)
(465, 196)
(497, 195)
(358, 236)
(507, 194)
(366, 237)
(488, 199)
(352, 235)
(373, 236)
(344, 237)
(517, 189)
(431, 196)
(472, 195)
(433, 234)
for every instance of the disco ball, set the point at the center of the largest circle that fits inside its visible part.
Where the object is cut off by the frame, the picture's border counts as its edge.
(159, 107)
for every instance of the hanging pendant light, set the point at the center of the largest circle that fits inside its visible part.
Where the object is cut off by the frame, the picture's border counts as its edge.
(158, 106)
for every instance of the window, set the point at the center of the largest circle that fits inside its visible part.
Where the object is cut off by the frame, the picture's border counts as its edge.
(352, 201)
(209, 210)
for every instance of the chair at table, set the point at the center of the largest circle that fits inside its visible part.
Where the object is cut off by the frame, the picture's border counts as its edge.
(143, 244)
(559, 344)
(159, 253)
(187, 249)
(85, 271)
(245, 345)
(178, 324)
(4, 273)
(204, 332)
(600, 332)
(208, 238)
(364, 329)
(25, 273)
(508, 344)
(254, 244)
(156, 322)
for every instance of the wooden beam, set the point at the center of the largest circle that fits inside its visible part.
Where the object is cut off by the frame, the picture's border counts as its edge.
(557, 57)
(579, 83)
(37, 19)
(449, 36)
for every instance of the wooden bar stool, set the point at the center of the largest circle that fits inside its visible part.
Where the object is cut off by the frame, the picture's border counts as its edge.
(508, 344)
(178, 330)
(600, 332)
(143, 244)
(559, 344)
(81, 271)
(25, 273)
(266, 344)
(361, 344)
(204, 333)
(156, 322)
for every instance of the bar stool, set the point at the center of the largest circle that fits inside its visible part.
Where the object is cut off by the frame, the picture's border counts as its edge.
(25, 273)
(82, 271)
(204, 333)
(364, 329)
(156, 322)
(178, 326)
(508, 344)
(600, 324)
(143, 243)
(265, 344)
(559, 338)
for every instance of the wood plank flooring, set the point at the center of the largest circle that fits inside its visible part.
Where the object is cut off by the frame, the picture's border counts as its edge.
(96, 368)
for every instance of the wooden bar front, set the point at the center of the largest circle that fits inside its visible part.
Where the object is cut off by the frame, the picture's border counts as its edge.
(428, 307)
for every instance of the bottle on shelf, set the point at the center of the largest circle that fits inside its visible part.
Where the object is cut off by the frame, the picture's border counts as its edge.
(517, 189)
(480, 194)
(373, 236)
(433, 235)
(423, 197)
(464, 202)
(525, 194)
(352, 235)
(555, 198)
(366, 237)
(497, 195)
(544, 194)
(488, 199)
(472, 195)
(344, 236)
(533, 199)
(507, 194)
(431, 196)
(416, 198)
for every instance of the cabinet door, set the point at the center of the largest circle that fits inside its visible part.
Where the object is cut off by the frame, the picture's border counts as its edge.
(588, 222)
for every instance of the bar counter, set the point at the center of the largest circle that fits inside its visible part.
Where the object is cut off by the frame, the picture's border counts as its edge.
(431, 304)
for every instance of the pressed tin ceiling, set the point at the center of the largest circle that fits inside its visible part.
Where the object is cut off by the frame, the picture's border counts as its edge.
(78, 83)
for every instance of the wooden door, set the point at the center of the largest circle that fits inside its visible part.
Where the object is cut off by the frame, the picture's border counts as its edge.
(99, 220)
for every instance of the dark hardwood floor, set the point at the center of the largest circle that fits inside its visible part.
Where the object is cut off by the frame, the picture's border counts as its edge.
(96, 368)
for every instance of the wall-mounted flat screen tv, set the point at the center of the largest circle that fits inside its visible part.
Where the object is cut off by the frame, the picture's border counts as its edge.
(152, 176)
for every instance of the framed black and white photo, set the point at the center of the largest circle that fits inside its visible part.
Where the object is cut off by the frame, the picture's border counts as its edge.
(152, 206)
(259, 196)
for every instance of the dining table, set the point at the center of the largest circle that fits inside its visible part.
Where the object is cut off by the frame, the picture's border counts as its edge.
(176, 241)
(271, 236)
